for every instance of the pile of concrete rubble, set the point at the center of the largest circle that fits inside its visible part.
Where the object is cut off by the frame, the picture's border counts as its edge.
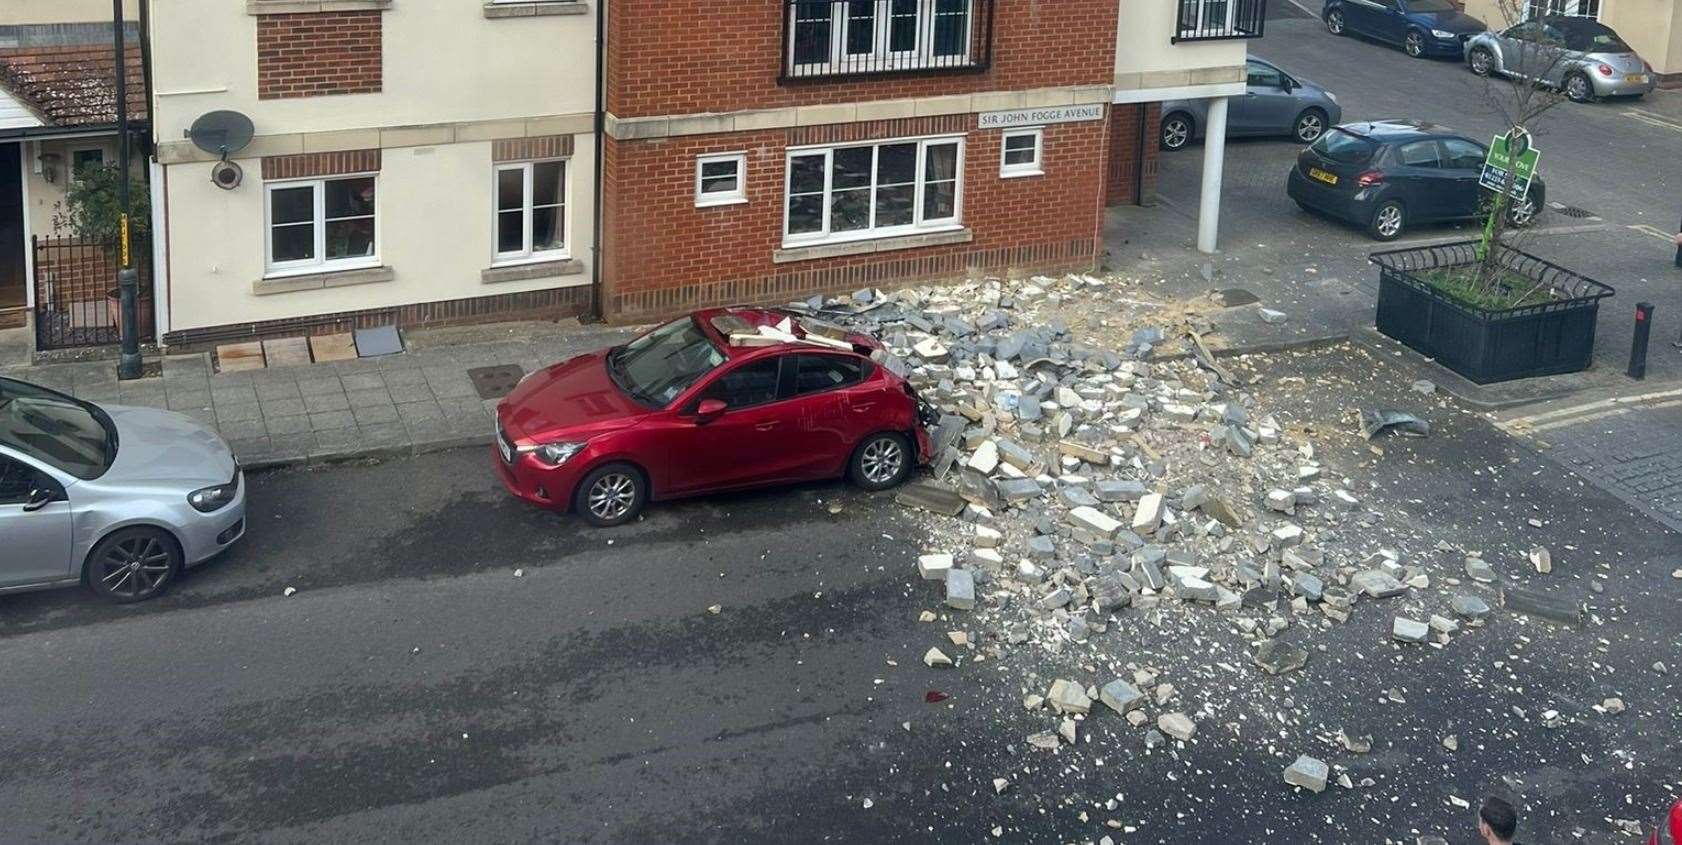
(1077, 483)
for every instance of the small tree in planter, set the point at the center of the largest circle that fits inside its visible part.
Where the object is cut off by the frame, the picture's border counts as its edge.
(1520, 101)
(1482, 307)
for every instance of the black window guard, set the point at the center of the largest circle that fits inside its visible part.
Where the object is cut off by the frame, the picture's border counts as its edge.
(1215, 20)
(838, 39)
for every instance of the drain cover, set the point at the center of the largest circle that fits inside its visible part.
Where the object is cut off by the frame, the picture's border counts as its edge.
(1573, 211)
(495, 382)
(1234, 297)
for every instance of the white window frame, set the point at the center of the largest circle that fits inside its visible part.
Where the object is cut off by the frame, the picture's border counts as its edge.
(1017, 171)
(1565, 8)
(717, 198)
(71, 164)
(918, 225)
(527, 255)
(881, 57)
(320, 263)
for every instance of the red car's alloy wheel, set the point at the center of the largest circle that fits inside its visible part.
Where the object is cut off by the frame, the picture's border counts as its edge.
(611, 497)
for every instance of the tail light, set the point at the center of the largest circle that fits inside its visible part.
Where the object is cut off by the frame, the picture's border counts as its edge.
(1370, 178)
(1603, 70)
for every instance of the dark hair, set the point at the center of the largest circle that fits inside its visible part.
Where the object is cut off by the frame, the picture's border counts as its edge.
(1500, 816)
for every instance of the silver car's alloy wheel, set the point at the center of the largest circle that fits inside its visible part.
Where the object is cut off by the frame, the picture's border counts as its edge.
(1577, 88)
(882, 460)
(611, 496)
(135, 567)
(1175, 133)
(1389, 222)
(1414, 44)
(1334, 23)
(1310, 127)
(1481, 62)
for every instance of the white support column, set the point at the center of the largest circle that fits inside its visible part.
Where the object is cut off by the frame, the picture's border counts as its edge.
(160, 251)
(1214, 158)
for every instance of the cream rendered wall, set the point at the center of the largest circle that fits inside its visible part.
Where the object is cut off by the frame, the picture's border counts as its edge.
(434, 211)
(444, 62)
(61, 11)
(1146, 57)
(1651, 27)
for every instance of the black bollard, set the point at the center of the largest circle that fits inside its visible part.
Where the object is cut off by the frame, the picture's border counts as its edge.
(1638, 344)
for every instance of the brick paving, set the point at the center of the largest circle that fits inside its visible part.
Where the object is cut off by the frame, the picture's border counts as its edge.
(1636, 456)
(420, 400)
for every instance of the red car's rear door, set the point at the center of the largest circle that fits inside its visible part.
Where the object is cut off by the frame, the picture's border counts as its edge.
(834, 412)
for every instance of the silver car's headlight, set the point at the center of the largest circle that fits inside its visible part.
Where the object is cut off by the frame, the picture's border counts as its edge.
(1331, 96)
(554, 454)
(212, 499)
(1442, 34)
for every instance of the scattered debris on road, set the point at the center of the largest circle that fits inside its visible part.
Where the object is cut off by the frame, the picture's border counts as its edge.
(1375, 422)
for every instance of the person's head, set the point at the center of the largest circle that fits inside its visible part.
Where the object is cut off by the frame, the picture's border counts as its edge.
(1497, 820)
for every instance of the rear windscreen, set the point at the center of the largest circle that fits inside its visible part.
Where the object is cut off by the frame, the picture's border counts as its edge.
(1344, 146)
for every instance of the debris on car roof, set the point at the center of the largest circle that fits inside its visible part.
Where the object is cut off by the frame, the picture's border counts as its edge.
(739, 331)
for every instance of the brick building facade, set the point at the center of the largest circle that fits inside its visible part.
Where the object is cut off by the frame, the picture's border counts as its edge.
(790, 147)
(319, 54)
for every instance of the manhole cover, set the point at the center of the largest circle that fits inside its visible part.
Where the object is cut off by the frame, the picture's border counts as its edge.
(1573, 211)
(495, 382)
(1234, 297)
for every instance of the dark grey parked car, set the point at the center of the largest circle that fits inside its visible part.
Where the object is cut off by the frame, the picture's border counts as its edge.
(1274, 103)
(1581, 57)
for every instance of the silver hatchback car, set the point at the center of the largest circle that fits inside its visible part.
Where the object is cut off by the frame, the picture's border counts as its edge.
(1579, 56)
(117, 498)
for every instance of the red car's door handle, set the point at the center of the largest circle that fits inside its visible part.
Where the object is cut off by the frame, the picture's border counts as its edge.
(861, 407)
(766, 426)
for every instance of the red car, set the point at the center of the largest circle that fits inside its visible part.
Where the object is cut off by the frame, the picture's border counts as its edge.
(722, 399)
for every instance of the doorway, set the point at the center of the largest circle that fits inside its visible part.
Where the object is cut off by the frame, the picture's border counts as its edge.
(13, 277)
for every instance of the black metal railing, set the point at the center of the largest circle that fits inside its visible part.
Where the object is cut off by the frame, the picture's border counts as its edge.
(1563, 289)
(830, 39)
(1214, 20)
(75, 292)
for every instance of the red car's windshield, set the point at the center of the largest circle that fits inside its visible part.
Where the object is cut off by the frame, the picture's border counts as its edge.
(659, 366)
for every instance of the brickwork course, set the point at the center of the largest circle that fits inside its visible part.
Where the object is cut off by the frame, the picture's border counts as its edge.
(662, 254)
(689, 57)
(316, 54)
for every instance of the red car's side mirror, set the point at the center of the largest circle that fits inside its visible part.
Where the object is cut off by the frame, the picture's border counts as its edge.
(708, 410)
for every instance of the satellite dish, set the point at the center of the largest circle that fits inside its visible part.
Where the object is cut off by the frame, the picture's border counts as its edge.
(221, 133)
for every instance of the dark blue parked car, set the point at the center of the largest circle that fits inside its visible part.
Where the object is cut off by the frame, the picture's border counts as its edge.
(1422, 27)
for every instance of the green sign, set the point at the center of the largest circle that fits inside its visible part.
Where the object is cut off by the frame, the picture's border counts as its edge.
(1501, 160)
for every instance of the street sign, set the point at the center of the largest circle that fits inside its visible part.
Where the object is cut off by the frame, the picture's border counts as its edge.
(1500, 160)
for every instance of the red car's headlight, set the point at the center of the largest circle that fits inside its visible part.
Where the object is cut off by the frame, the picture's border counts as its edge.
(553, 454)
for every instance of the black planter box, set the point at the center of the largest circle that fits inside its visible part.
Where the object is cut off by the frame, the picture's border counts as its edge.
(1482, 345)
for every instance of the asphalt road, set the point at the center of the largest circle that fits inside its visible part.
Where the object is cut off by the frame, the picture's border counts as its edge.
(415, 689)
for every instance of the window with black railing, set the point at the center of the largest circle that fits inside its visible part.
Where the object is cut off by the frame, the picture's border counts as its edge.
(1212, 20)
(840, 38)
